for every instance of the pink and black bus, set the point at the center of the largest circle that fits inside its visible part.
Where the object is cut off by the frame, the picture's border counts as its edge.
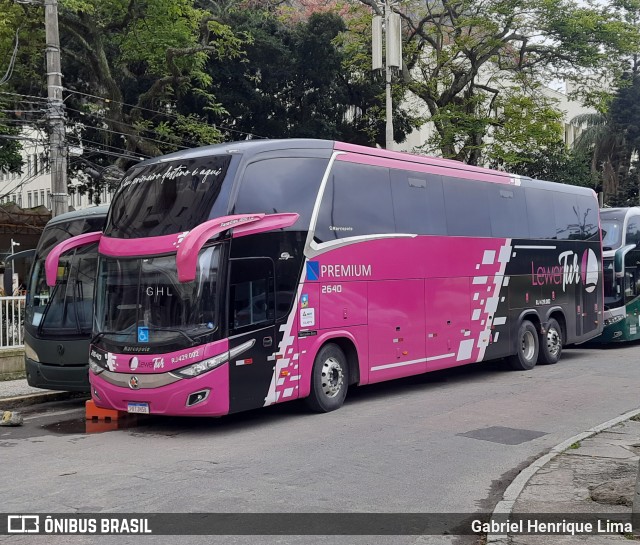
(245, 274)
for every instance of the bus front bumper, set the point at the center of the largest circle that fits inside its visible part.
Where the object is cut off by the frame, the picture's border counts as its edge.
(69, 378)
(204, 395)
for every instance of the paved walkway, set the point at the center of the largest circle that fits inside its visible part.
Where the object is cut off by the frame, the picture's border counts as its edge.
(15, 394)
(591, 478)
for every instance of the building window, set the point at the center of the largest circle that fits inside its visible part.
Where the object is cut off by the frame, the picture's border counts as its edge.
(29, 166)
(42, 201)
(29, 200)
(20, 200)
(35, 165)
(49, 203)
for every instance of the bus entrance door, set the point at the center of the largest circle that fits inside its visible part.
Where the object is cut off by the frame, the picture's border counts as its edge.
(252, 339)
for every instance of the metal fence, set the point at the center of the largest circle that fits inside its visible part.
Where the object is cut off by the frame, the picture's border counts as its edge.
(12, 321)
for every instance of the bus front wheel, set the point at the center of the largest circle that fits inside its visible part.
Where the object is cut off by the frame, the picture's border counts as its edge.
(527, 347)
(329, 380)
(551, 343)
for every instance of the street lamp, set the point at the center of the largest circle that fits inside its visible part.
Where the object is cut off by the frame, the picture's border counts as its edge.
(13, 266)
(390, 24)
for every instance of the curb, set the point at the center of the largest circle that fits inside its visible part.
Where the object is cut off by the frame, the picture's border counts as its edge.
(513, 491)
(35, 399)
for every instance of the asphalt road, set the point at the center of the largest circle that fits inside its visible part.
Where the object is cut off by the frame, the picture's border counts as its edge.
(445, 442)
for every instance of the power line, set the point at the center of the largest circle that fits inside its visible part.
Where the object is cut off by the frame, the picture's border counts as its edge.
(166, 114)
(41, 99)
(82, 141)
(12, 61)
(133, 127)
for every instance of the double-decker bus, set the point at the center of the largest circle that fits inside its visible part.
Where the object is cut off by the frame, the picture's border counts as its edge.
(58, 318)
(245, 274)
(621, 274)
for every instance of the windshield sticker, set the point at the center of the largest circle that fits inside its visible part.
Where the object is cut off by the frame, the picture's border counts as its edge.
(172, 173)
(143, 334)
(304, 300)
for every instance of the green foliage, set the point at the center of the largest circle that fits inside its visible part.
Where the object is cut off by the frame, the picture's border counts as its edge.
(523, 122)
(306, 77)
(554, 163)
(10, 158)
(471, 64)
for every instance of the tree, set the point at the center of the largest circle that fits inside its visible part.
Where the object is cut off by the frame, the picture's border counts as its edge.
(463, 56)
(556, 164)
(302, 77)
(612, 139)
(127, 67)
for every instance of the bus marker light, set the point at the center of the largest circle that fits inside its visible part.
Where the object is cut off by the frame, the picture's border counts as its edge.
(284, 373)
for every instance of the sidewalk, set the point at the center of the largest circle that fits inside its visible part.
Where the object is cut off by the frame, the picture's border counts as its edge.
(591, 474)
(17, 393)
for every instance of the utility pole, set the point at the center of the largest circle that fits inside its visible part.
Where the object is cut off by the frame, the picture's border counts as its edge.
(57, 147)
(391, 25)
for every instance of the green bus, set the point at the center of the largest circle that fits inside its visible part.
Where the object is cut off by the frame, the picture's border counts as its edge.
(621, 267)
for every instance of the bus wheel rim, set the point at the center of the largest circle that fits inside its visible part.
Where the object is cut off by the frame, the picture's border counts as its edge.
(332, 377)
(553, 342)
(528, 345)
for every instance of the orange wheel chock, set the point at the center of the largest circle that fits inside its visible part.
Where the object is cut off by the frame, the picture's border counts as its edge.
(93, 412)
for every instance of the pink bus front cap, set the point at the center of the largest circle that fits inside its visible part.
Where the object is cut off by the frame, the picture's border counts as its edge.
(51, 263)
(242, 224)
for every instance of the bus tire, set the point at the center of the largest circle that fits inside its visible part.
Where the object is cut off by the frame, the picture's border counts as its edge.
(527, 347)
(551, 343)
(329, 380)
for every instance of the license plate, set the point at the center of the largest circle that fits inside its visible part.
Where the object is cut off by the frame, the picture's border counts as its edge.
(139, 408)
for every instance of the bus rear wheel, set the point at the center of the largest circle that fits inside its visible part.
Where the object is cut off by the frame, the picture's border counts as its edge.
(527, 347)
(329, 380)
(551, 343)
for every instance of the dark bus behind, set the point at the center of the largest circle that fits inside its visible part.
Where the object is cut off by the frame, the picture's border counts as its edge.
(58, 320)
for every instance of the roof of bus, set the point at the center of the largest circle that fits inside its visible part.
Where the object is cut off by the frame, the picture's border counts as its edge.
(257, 146)
(262, 145)
(621, 211)
(77, 214)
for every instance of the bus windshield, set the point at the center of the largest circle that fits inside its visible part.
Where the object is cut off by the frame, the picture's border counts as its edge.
(166, 198)
(142, 301)
(65, 308)
(611, 234)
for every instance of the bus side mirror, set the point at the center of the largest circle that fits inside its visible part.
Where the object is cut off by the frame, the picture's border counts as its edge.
(53, 259)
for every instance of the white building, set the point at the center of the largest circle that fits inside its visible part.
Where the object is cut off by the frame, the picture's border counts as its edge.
(32, 188)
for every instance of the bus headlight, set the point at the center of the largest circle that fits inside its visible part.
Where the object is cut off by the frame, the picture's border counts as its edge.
(29, 352)
(613, 319)
(203, 366)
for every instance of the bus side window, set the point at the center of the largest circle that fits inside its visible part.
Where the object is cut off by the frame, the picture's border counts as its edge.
(508, 211)
(418, 202)
(466, 204)
(251, 292)
(356, 201)
(542, 219)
